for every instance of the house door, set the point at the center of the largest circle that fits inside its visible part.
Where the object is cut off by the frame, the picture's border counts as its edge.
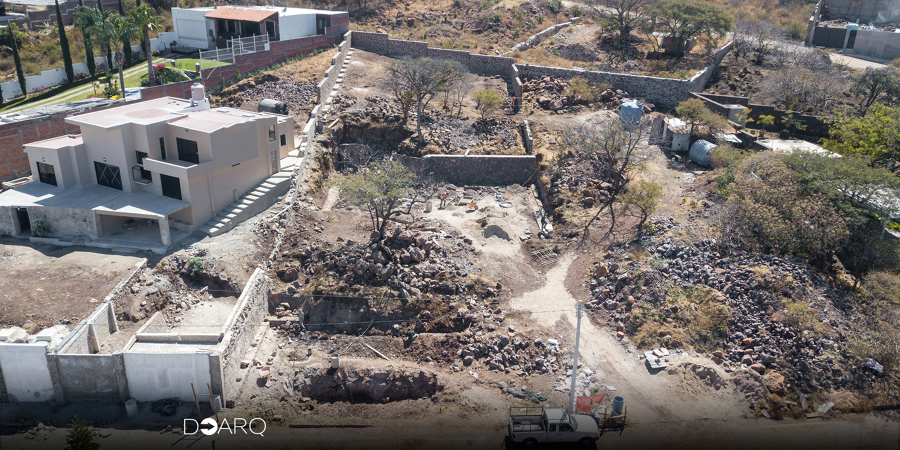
(24, 222)
(273, 158)
(270, 30)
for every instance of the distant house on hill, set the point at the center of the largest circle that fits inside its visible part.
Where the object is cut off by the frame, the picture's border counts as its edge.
(211, 27)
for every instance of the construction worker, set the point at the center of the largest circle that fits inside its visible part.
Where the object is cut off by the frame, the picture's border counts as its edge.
(443, 200)
(395, 330)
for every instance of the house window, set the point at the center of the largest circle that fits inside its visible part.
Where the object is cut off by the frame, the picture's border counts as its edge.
(171, 186)
(162, 148)
(271, 133)
(46, 173)
(140, 157)
(108, 175)
(283, 140)
(141, 175)
(187, 151)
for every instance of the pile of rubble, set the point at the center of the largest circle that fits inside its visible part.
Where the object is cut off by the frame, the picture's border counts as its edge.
(761, 334)
(509, 354)
(576, 52)
(300, 97)
(553, 94)
(411, 260)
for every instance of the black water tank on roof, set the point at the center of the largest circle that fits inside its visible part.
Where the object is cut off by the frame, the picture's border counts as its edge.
(273, 106)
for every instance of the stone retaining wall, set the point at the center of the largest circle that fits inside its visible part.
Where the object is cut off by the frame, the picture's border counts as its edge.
(242, 327)
(499, 170)
(540, 36)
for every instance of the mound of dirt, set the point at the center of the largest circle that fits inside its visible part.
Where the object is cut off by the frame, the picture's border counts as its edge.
(577, 52)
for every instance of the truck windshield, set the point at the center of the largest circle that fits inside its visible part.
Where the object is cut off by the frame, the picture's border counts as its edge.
(566, 417)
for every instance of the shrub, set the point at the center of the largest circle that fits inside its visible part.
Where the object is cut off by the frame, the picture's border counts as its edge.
(80, 436)
(487, 101)
(555, 6)
(40, 228)
(882, 287)
(196, 266)
(588, 91)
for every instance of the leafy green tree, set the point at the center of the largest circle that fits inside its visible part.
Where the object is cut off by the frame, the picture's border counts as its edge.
(641, 200)
(422, 79)
(623, 15)
(64, 45)
(379, 187)
(487, 101)
(20, 74)
(80, 436)
(765, 121)
(770, 212)
(876, 85)
(83, 20)
(695, 113)
(875, 135)
(686, 19)
(147, 20)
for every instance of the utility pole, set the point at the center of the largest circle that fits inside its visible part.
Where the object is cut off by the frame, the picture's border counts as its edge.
(736, 22)
(575, 359)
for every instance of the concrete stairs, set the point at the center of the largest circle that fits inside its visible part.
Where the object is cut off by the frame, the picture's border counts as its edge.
(250, 204)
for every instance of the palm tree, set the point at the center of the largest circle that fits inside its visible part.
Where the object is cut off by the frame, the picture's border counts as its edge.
(118, 31)
(147, 20)
(64, 45)
(20, 74)
(84, 18)
(105, 45)
(126, 46)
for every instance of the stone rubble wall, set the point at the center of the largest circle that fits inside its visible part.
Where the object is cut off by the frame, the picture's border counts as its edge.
(667, 92)
(241, 328)
(475, 170)
(540, 36)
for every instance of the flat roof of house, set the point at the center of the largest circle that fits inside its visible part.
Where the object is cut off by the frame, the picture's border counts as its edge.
(60, 141)
(94, 197)
(215, 119)
(147, 112)
(789, 145)
(238, 13)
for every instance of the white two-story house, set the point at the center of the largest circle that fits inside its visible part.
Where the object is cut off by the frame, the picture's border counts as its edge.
(142, 172)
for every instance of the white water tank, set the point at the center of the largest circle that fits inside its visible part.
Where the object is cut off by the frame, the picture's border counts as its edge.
(198, 92)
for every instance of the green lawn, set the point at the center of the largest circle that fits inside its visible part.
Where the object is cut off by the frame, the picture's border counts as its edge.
(188, 63)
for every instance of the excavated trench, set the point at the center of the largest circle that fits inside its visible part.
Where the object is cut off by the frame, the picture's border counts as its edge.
(366, 385)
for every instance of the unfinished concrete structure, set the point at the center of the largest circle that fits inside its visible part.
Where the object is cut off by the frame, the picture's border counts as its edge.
(96, 361)
(145, 175)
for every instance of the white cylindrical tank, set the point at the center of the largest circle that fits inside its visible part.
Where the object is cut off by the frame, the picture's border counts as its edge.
(198, 92)
(701, 153)
(131, 408)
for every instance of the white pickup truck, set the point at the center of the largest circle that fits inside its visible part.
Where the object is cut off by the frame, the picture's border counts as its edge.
(534, 425)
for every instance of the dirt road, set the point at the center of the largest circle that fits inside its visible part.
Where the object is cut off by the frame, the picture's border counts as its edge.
(675, 406)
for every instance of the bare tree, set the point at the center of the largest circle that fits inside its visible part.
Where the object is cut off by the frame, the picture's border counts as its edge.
(460, 90)
(755, 37)
(612, 146)
(420, 80)
(624, 14)
(800, 89)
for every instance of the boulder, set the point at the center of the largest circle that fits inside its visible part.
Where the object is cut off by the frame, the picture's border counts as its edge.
(774, 382)
(758, 367)
(291, 274)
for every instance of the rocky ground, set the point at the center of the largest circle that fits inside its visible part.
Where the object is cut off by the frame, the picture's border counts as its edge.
(771, 314)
